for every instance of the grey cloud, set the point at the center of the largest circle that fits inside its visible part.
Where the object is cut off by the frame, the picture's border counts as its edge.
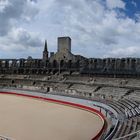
(13, 37)
(13, 12)
(28, 40)
(33, 1)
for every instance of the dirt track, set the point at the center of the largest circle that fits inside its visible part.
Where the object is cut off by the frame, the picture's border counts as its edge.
(23, 118)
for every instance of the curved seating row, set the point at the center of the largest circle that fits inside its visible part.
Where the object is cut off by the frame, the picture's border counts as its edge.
(131, 122)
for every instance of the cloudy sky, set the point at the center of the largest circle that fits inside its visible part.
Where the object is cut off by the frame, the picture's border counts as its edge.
(98, 28)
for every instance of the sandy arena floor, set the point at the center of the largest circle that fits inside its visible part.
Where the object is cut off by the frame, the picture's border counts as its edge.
(23, 118)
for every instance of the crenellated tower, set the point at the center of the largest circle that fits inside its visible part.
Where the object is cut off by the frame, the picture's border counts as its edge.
(64, 44)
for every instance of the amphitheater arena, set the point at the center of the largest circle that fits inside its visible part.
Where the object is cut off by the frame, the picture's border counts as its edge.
(69, 107)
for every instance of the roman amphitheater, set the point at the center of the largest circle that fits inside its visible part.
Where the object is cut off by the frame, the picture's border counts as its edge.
(69, 97)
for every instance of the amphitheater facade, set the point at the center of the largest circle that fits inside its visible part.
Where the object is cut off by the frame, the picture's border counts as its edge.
(111, 85)
(64, 61)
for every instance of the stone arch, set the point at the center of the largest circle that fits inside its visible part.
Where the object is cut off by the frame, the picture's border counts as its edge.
(25, 62)
(34, 83)
(48, 89)
(15, 71)
(40, 71)
(12, 81)
(18, 63)
(3, 63)
(62, 63)
(133, 63)
(90, 63)
(22, 71)
(122, 64)
(46, 63)
(10, 63)
(95, 64)
(113, 63)
(54, 63)
(77, 64)
(0, 63)
(33, 71)
(69, 63)
(104, 62)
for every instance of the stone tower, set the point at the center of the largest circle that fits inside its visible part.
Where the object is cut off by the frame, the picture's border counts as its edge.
(45, 52)
(64, 45)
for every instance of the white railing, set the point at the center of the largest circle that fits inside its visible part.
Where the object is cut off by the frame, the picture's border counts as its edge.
(4, 138)
(109, 137)
(131, 136)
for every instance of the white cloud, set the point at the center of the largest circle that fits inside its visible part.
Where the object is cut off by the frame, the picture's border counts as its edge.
(3, 5)
(20, 42)
(115, 4)
(125, 52)
(16, 11)
(96, 30)
(13, 37)
(134, 3)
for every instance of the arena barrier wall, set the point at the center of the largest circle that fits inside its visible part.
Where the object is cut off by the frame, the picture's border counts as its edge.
(92, 110)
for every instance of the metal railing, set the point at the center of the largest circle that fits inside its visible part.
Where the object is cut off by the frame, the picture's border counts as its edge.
(4, 138)
(109, 137)
(131, 136)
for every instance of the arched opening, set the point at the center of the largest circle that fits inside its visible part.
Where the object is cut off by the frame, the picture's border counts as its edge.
(35, 71)
(113, 64)
(13, 82)
(3, 64)
(32, 71)
(90, 64)
(95, 63)
(6, 64)
(54, 64)
(69, 64)
(15, 72)
(48, 89)
(90, 94)
(77, 64)
(25, 63)
(34, 83)
(0, 63)
(21, 71)
(27, 71)
(21, 61)
(62, 63)
(46, 63)
(133, 64)
(10, 63)
(18, 63)
(40, 71)
(104, 63)
(122, 65)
